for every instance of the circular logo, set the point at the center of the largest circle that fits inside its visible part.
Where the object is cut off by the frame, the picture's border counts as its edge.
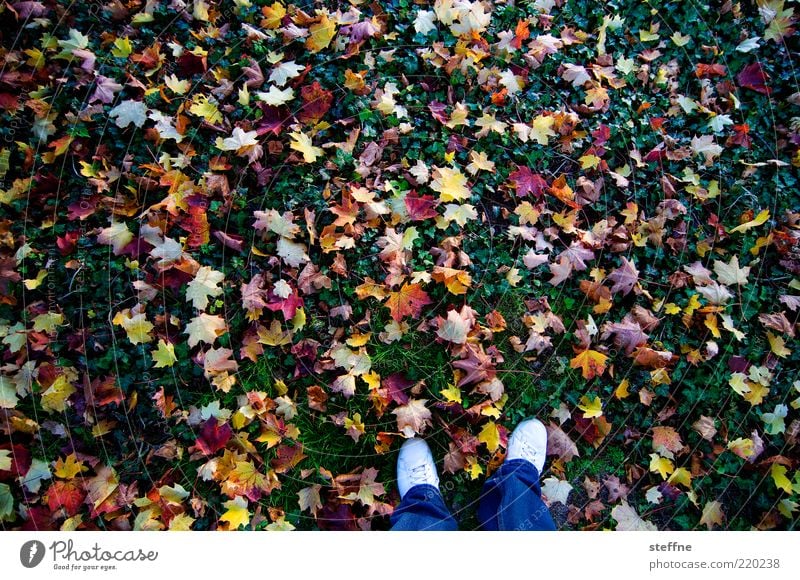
(31, 553)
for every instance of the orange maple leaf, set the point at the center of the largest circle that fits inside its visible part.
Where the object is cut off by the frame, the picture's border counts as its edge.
(591, 363)
(408, 301)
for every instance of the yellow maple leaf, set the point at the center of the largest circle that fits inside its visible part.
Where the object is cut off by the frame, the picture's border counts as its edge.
(711, 324)
(55, 397)
(712, 514)
(778, 473)
(661, 465)
(452, 393)
(138, 328)
(236, 513)
(451, 184)
(302, 143)
(622, 389)
(48, 321)
(760, 219)
(744, 448)
(490, 435)
(591, 362)
(755, 396)
(589, 161)
(777, 345)
(473, 468)
(122, 48)
(591, 407)
(205, 108)
(681, 476)
(321, 34)
(542, 129)
(273, 15)
(181, 523)
(164, 355)
(69, 467)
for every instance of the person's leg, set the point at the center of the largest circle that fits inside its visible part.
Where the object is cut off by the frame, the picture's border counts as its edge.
(421, 505)
(512, 497)
(422, 509)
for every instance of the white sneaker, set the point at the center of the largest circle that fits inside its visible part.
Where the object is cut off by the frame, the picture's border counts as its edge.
(529, 441)
(415, 466)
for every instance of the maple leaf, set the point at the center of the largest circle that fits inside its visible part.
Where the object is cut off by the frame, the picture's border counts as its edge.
(116, 235)
(275, 96)
(591, 362)
(129, 112)
(712, 514)
(213, 436)
(102, 486)
(204, 107)
(526, 181)
(205, 328)
(666, 441)
(309, 498)
(629, 521)
(204, 285)
(555, 490)
(706, 146)
(477, 364)
(731, 273)
(413, 417)
(627, 334)
(420, 207)
(284, 72)
(239, 141)
(293, 253)
(753, 77)
(164, 355)
(236, 513)
(542, 129)
(302, 143)
(454, 329)
(451, 184)
(354, 426)
(217, 360)
(69, 467)
(490, 435)
(624, 277)
(560, 444)
(321, 34)
(66, 495)
(408, 301)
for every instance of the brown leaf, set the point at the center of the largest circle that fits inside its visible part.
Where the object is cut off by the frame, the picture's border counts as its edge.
(560, 444)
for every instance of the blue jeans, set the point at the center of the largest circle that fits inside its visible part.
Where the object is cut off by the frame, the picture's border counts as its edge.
(511, 500)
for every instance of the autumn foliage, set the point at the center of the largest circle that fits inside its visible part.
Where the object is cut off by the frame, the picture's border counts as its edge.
(247, 248)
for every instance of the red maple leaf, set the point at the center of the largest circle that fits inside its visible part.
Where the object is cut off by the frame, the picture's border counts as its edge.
(477, 364)
(213, 436)
(753, 77)
(396, 386)
(420, 207)
(67, 495)
(437, 109)
(525, 181)
(316, 102)
(409, 300)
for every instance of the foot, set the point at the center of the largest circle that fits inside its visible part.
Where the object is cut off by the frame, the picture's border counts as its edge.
(529, 441)
(415, 466)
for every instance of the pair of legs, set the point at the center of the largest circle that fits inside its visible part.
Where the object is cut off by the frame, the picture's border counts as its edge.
(511, 497)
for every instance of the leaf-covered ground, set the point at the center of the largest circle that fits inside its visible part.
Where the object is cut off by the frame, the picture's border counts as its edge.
(247, 247)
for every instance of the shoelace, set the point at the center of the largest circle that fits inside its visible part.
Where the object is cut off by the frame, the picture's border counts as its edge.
(529, 451)
(420, 473)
